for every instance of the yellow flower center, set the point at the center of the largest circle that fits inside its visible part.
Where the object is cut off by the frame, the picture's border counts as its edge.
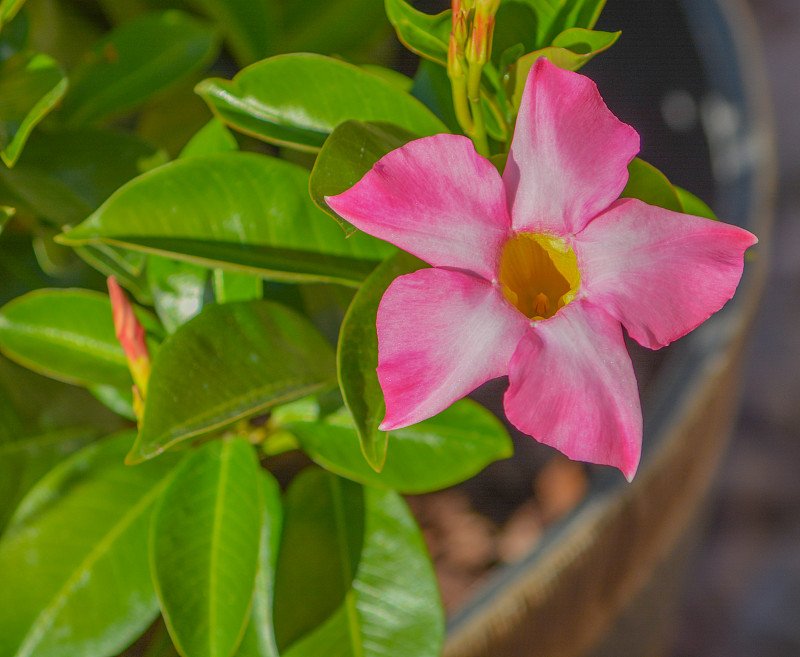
(539, 274)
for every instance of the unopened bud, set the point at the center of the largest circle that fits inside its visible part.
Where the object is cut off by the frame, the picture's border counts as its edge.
(460, 31)
(130, 334)
(487, 7)
(479, 46)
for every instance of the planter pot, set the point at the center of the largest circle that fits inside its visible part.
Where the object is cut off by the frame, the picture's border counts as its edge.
(604, 580)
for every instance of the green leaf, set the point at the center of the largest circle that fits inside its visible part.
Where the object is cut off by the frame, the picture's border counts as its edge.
(230, 362)
(24, 459)
(67, 334)
(74, 556)
(135, 61)
(440, 452)
(173, 117)
(352, 29)
(9, 9)
(204, 547)
(5, 215)
(12, 425)
(232, 286)
(555, 16)
(338, 536)
(249, 26)
(14, 36)
(648, 184)
(30, 86)
(213, 137)
(399, 80)
(357, 357)
(43, 404)
(350, 151)
(432, 88)
(126, 265)
(119, 400)
(240, 211)
(259, 637)
(178, 289)
(570, 50)
(690, 204)
(515, 29)
(320, 547)
(424, 34)
(64, 176)
(297, 100)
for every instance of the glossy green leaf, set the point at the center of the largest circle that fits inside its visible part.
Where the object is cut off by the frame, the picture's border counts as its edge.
(67, 334)
(357, 357)
(249, 26)
(690, 204)
(247, 211)
(338, 536)
(259, 637)
(399, 80)
(555, 16)
(514, 33)
(135, 61)
(425, 34)
(30, 86)
(648, 184)
(230, 362)
(213, 137)
(297, 100)
(9, 9)
(24, 459)
(74, 556)
(178, 289)
(64, 176)
(204, 547)
(570, 50)
(233, 286)
(442, 451)
(320, 547)
(350, 151)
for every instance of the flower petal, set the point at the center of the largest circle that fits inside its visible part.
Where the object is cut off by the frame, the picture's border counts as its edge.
(569, 156)
(436, 198)
(572, 386)
(441, 334)
(660, 273)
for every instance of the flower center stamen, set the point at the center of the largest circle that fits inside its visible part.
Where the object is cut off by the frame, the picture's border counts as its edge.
(538, 274)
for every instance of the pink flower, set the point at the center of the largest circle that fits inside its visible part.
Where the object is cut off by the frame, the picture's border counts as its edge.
(535, 273)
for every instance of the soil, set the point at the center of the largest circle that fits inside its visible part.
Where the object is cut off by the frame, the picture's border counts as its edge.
(466, 544)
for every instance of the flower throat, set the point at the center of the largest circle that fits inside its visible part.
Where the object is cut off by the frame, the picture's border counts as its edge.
(538, 274)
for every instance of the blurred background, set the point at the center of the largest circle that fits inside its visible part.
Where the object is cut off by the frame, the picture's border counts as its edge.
(743, 594)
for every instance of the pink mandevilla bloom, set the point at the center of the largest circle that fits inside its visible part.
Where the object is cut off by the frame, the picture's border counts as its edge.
(535, 272)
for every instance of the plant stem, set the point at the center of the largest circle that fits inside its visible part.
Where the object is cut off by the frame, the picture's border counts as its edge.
(461, 104)
(478, 133)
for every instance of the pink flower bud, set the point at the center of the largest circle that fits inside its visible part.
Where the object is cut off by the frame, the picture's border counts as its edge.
(130, 334)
